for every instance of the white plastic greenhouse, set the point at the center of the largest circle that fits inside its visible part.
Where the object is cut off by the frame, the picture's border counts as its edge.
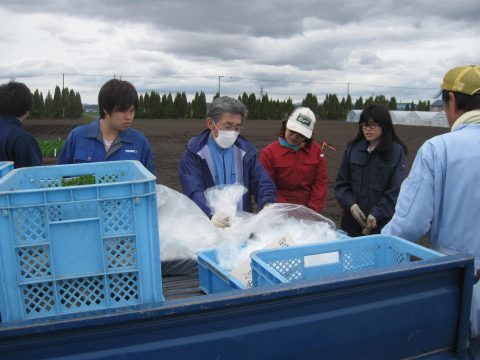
(421, 118)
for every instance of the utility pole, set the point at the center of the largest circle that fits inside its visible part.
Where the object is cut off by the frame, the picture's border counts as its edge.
(348, 89)
(63, 87)
(219, 77)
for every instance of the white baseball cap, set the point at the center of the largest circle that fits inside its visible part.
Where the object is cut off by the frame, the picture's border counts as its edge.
(302, 121)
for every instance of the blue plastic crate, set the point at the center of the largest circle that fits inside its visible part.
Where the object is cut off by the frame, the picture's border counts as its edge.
(67, 248)
(5, 168)
(215, 279)
(212, 277)
(275, 266)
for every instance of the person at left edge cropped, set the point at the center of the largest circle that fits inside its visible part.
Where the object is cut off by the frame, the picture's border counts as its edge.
(221, 156)
(296, 163)
(110, 138)
(16, 144)
(370, 174)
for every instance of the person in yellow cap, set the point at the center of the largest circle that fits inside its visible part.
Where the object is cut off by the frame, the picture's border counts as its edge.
(441, 195)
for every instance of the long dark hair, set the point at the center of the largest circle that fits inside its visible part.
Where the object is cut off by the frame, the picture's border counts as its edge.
(283, 128)
(379, 113)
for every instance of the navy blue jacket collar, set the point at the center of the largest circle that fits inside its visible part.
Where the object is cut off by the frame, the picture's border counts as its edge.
(11, 119)
(93, 129)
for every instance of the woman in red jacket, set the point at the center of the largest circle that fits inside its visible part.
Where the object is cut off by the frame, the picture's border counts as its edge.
(296, 163)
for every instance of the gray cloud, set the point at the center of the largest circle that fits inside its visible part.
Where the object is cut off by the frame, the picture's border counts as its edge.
(272, 18)
(187, 44)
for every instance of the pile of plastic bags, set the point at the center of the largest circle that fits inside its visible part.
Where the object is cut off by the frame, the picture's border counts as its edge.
(185, 230)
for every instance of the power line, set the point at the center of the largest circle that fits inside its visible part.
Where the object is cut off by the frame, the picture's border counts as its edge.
(191, 76)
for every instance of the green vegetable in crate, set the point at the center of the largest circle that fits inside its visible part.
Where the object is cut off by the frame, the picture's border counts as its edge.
(78, 180)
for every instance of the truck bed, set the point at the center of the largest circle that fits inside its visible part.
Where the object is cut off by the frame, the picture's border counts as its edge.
(182, 286)
(418, 312)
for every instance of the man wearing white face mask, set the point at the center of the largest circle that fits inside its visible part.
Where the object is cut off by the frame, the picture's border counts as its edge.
(220, 156)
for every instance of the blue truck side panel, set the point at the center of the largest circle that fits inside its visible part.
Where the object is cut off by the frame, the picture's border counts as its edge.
(419, 311)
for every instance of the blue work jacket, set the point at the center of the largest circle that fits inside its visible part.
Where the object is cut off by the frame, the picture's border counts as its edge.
(196, 169)
(18, 145)
(441, 198)
(84, 144)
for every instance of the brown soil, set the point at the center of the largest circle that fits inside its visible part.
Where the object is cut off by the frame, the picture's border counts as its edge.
(168, 139)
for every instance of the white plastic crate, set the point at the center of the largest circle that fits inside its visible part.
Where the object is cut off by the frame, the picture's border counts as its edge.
(68, 247)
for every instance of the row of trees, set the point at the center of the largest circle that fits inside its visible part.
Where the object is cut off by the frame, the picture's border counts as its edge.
(155, 106)
(65, 103)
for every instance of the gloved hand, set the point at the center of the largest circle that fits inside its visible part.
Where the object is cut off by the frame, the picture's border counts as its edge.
(220, 221)
(371, 224)
(358, 215)
(371, 221)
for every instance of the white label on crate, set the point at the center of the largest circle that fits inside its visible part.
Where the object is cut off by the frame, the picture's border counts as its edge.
(321, 259)
(243, 272)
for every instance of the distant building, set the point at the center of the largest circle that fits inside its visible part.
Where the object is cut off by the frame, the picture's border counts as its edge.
(406, 106)
(437, 105)
(421, 118)
(90, 108)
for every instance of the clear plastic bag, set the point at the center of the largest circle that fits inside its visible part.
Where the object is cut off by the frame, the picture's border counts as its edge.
(184, 229)
(255, 232)
(225, 199)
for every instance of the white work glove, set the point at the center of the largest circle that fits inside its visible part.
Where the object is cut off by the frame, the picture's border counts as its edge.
(371, 224)
(358, 215)
(220, 221)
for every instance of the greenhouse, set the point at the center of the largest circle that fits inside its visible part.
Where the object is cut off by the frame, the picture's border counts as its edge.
(420, 118)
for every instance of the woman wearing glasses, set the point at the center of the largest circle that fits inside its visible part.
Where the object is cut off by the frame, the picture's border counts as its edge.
(370, 174)
(296, 163)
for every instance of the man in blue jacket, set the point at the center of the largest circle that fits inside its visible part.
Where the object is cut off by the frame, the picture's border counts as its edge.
(219, 156)
(110, 137)
(16, 144)
(441, 195)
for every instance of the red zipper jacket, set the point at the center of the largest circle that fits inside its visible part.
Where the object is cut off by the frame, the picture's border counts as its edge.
(300, 176)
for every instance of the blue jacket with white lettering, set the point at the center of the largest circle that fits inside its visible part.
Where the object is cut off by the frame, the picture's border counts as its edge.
(82, 145)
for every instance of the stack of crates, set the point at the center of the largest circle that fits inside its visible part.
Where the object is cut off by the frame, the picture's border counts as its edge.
(78, 237)
(5, 168)
(317, 261)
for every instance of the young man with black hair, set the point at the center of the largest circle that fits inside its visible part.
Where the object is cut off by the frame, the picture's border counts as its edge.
(441, 195)
(110, 137)
(16, 144)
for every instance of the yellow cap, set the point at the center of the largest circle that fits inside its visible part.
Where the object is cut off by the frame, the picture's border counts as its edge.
(462, 79)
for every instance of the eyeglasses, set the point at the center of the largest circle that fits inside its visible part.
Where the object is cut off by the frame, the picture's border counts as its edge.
(369, 125)
(230, 127)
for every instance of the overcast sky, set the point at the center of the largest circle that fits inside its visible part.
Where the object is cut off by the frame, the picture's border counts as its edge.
(396, 48)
